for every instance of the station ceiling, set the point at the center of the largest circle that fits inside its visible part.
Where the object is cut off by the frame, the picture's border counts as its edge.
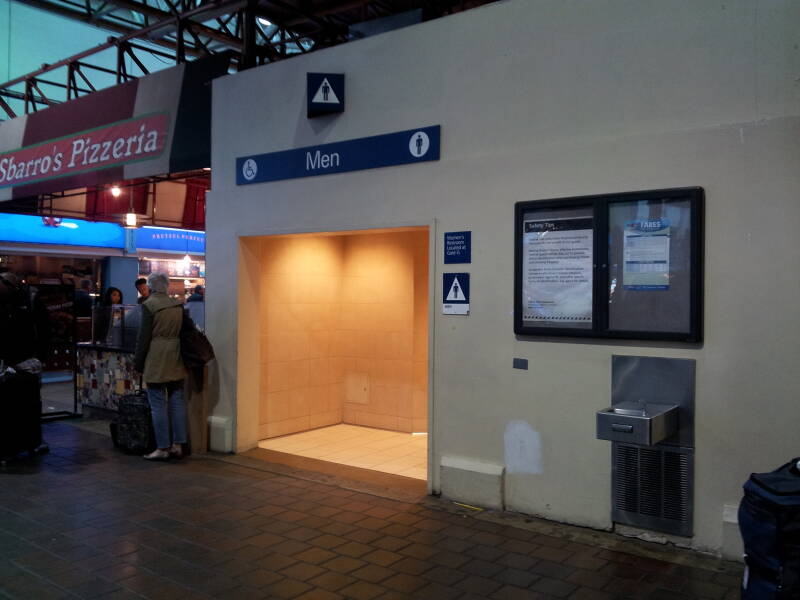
(252, 32)
(248, 32)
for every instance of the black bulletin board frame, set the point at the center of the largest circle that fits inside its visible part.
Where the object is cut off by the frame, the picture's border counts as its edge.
(686, 267)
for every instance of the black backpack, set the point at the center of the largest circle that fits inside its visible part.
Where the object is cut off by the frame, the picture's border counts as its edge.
(769, 521)
(196, 350)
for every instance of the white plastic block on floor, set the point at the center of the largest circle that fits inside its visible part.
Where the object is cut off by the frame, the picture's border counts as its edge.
(472, 482)
(220, 435)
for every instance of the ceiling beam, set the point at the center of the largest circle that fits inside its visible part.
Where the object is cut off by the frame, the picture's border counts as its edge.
(163, 16)
(125, 31)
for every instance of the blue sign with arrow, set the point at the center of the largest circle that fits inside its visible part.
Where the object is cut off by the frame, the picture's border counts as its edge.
(387, 150)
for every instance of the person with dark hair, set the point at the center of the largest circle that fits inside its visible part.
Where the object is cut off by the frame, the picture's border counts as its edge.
(109, 320)
(111, 297)
(158, 358)
(24, 336)
(198, 294)
(24, 323)
(143, 289)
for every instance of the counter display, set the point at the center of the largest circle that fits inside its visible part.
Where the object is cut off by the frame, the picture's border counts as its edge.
(104, 375)
(105, 365)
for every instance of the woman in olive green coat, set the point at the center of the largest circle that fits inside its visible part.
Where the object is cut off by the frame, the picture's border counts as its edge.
(158, 358)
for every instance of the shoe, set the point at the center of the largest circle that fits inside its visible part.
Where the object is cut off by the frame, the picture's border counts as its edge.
(157, 454)
(176, 451)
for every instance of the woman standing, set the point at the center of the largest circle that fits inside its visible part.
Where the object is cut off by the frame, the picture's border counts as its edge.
(158, 358)
(109, 318)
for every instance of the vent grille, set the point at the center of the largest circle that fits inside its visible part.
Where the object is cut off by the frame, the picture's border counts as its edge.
(652, 487)
(626, 490)
(676, 486)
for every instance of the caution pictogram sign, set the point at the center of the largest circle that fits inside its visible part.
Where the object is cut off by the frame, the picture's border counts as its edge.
(455, 293)
(325, 93)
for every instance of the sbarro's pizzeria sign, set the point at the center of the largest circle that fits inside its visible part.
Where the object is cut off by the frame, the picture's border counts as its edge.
(140, 138)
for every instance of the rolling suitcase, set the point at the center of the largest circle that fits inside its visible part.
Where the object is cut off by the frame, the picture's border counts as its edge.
(21, 406)
(134, 427)
(769, 521)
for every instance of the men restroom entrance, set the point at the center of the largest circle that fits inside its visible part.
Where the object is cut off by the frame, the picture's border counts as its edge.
(344, 347)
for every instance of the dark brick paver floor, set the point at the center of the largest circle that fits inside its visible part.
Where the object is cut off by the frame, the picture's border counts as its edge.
(88, 522)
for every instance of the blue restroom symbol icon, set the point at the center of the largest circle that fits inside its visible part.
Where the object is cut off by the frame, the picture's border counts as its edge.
(249, 169)
(419, 143)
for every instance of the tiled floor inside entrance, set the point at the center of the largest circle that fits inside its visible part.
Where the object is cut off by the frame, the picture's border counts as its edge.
(387, 451)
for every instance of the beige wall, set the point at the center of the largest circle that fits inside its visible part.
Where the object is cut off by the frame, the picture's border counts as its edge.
(343, 331)
(300, 285)
(554, 102)
(381, 343)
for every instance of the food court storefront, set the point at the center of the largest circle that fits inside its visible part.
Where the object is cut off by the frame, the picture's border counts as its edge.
(60, 259)
(133, 159)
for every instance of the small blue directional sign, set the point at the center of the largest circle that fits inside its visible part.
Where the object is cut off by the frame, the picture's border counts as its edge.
(390, 149)
(457, 247)
(325, 93)
(455, 293)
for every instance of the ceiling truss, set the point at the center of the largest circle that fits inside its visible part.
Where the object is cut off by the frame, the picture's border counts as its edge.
(251, 32)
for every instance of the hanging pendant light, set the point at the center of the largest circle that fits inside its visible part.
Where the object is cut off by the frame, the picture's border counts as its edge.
(131, 220)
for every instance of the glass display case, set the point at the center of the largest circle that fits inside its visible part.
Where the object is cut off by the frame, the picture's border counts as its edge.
(116, 326)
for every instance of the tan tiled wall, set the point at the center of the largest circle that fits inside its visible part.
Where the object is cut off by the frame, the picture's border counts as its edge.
(344, 338)
(300, 303)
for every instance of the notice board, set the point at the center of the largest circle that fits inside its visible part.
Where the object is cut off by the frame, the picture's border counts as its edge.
(625, 265)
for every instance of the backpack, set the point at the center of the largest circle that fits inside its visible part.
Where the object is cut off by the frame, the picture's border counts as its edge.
(769, 521)
(196, 350)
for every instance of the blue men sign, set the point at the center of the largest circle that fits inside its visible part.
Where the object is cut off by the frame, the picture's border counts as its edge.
(325, 93)
(455, 293)
(390, 149)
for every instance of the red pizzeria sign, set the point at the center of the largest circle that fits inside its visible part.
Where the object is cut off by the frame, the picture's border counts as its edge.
(140, 138)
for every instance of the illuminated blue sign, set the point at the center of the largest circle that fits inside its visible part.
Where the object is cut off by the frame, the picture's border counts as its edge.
(31, 229)
(166, 239)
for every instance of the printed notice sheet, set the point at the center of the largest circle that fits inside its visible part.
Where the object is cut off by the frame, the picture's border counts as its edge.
(646, 255)
(557, 271)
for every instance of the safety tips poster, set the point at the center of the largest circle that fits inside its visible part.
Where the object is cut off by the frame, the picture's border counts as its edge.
(557, 271)
(646, 255)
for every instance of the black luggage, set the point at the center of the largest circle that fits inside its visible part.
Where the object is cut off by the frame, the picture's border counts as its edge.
(769, 520)
(133, 431)
(21, 406)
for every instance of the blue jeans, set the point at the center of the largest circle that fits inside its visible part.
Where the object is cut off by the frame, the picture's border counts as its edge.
(168, 407)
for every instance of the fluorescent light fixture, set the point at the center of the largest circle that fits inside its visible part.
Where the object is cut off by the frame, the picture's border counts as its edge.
(264, 21)
(171, 229)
